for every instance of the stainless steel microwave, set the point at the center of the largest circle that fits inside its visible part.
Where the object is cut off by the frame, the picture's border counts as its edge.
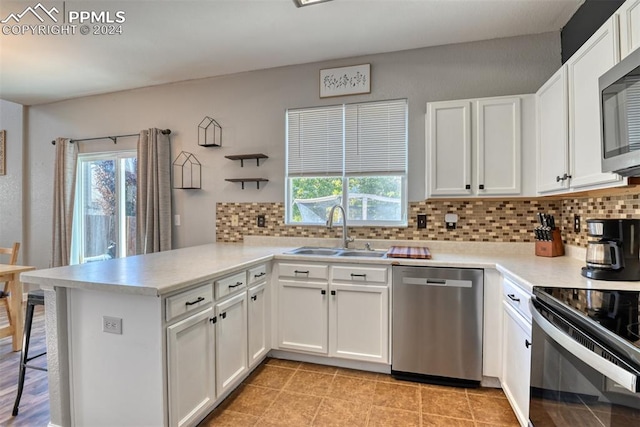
(620, 117)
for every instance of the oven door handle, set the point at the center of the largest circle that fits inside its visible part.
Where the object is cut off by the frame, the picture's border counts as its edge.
(610, 370)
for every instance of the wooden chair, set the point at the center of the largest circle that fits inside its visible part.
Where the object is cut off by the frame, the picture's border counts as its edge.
(4, 293)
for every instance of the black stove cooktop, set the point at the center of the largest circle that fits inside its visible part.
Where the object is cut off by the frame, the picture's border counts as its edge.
(615, 311)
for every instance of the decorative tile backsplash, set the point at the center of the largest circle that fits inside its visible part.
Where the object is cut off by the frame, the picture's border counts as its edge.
(624, 206)
(478, 221)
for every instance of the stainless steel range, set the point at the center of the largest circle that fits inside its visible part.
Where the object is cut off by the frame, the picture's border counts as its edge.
(585, 360)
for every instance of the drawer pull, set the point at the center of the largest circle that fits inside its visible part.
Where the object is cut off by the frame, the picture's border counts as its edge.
(358, 275)
(236, 285)
(513, 298)
(259, 275)
(188, 303)
(301, 271)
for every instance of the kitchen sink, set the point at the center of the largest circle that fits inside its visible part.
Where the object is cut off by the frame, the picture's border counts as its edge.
(375, 254)
(305, 250)
(314, 251)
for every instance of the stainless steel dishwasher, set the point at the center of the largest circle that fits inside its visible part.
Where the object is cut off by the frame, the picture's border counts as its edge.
(437, 324)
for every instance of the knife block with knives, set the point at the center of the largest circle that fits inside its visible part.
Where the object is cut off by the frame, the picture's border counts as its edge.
(548, 237)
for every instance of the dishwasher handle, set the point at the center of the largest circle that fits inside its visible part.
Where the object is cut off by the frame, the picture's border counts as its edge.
(428, 281)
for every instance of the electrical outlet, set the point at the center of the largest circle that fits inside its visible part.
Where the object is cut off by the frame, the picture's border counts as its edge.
(113, 325)
(235, 220)
(576, 223)
(422, 221)
(176, 220)
(261, 221)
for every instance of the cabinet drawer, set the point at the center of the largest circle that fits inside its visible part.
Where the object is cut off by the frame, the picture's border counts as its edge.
(304, 271)
(188, 301)
(230, 285)
(360, 274)
(517, 298)
(257, 274)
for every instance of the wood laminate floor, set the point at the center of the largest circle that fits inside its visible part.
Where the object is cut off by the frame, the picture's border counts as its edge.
(34, 405)
(287, 393)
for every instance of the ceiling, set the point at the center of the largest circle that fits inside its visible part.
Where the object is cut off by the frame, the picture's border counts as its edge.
(168, 41)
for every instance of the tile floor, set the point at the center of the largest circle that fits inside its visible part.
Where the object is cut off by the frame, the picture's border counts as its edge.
(287, 393)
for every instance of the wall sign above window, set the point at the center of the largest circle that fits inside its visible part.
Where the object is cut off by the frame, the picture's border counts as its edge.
(352, 80)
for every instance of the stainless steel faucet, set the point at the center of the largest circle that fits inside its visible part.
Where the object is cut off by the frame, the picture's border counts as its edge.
(345, 238)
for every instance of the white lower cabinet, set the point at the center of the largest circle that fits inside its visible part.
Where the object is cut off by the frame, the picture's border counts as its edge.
(231, 342)
(516, 348)
(346, 316)
(359, 322)
(191, 367)
(302, 316)
(258, 319)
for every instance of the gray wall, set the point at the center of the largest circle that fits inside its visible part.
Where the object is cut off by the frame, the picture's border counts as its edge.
(11, 184)
(251, 108)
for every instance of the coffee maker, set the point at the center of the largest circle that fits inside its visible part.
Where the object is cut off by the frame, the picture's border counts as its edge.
(615, 256)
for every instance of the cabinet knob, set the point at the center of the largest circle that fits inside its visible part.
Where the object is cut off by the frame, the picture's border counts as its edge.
(559, 178)
(467, 187)
(213, 319)
(223, 315)
(333, 292)
(254, 297)
(481, 186)
(323, 292)
(527, 343)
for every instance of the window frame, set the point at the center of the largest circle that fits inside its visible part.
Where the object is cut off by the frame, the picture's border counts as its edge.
(82, 191)
(403, 222)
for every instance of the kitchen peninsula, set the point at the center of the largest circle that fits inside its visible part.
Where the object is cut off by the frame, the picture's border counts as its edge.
(100, 378)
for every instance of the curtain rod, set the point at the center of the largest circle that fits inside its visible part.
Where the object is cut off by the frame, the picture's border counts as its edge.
(113, 138)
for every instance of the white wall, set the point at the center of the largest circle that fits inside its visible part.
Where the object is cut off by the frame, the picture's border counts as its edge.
(251, 109)
(11, 184)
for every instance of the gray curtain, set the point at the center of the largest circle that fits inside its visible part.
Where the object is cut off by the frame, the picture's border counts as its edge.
(153, 211)
(64, 185)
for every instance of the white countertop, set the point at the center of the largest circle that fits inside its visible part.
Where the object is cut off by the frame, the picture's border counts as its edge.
(166, 272)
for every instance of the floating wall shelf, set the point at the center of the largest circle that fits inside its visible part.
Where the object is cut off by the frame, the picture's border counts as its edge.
(243, 157)
(243, 180)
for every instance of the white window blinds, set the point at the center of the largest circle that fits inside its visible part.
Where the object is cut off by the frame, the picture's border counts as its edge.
(354, 139)
(314, 141)
(376, 137)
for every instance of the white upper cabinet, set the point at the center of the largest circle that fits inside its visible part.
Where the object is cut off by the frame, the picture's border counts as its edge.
(595, 57)
(629, 19)
(499, 143)
(449, 148)
(475, 146)
(553, 134)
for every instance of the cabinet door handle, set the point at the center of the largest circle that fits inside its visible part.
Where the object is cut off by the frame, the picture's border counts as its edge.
(213, 319)
(323, 292)
(223, 315)
(527, 343)
(481, 186)
(188, 303)
(236, 285)
(301, 272)
(333, 292)
(358, 275)
(259, 275)
(513, 298)
(254, 297)
(467, 187)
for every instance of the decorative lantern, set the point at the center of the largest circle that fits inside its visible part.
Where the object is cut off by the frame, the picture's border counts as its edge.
(209, 133)
(187, 172)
